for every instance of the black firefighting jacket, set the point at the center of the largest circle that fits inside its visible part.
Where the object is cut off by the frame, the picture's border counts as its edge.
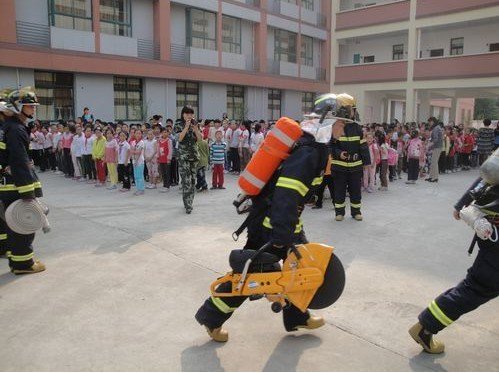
(355, 146)
(17, 175)
(283, 198)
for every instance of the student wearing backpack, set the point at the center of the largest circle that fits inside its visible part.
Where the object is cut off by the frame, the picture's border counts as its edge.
(414, 154)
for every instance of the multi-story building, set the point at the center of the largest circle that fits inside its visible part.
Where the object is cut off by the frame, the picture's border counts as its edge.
(410, 59)
(129, 59)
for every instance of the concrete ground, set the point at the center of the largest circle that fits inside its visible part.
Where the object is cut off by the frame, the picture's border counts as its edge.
(126, 275)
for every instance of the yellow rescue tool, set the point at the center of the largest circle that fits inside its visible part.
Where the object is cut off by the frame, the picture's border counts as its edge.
(311, 277)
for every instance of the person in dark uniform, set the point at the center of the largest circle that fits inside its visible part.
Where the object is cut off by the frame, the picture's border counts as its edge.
(18, 178)
(481, 211)
(275, 218)
(350, 154)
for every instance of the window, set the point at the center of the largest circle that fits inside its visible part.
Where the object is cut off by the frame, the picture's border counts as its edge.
(187, 94)
(368, 59)
(307, 50)
(494, 47)
(308, 4)
(398, 52)
(201, 29)
(307, 102)
(356, 58)
(295, 2)
(115, 17)
(456, 46)
(231, 35)
(127, 98)
(71, 14)
(274, 104)
(55, 94)
(235, 102)
(284, 46)
(436, 53)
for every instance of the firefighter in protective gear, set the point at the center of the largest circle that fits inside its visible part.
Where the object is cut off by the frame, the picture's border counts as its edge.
(4, 113)
(275, 218)
(18, 179)
(482, 281)
(349, 151)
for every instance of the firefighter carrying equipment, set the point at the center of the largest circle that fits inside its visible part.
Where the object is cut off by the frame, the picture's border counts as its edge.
(26, 216)
(489, 170)
(275, 148)
(311, 277)
(342, 106)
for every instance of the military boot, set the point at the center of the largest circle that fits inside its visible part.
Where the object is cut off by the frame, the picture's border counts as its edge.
(35, 268)
(425, 339)
(218, 334)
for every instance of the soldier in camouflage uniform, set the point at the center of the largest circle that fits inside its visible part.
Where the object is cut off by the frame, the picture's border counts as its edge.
(187, 133)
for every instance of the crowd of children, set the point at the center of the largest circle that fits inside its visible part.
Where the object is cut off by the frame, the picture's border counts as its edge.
(145, 155)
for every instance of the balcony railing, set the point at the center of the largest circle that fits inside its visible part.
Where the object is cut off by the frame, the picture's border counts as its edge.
(428, 8)
(371, 73)
(373, 15)
(180, 53)
(33, 34)
(458, 67)
(148, 49)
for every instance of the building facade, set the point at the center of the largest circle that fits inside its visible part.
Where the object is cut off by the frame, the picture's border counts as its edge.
(411, 59)
(130, 59)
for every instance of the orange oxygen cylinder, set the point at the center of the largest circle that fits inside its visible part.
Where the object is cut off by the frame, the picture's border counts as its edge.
(274, 149)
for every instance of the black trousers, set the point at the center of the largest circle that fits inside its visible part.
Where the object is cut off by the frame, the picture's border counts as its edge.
(201, 178)
(326, 181)
(347, 180)
(215, 311)
(165, 172)
(49, 152)
(124, 175)
(89, 167)
(174, 174)
(413, 169)
(234, 160)
(68, 162)
(20, 246)
(480, 285)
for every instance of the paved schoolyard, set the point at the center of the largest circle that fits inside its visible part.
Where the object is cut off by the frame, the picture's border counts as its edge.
(126, 274)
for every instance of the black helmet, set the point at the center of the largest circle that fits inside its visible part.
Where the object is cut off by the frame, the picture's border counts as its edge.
(23, 96)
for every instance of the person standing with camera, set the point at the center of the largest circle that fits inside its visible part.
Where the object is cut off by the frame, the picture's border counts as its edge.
(187, 134)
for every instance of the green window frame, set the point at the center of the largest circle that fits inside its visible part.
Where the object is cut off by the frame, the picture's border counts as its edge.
(71, 14)
(55, 92)
(201, 29)
(235, 102)
(285, 43)
(307, 50)
(116, 17)
(307, 101)
(274, 104)
(128, 103)
(187, 94)
(231, 34)
(308, 4)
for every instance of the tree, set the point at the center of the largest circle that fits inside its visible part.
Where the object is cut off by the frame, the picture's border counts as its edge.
(486, 108)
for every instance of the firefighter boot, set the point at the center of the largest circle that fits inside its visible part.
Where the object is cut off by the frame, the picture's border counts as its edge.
(313, 322)
(425, 339)
(35, 268)
(218, 334)
(339, 218)
(358, 217)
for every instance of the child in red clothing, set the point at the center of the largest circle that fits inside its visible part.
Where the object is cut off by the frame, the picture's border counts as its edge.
(165, 154)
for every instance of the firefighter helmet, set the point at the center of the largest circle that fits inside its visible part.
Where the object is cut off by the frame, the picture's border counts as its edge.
(21, 97)
(342, 106)
(4, 99)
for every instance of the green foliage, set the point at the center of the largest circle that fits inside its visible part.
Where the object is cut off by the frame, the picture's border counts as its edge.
(486, 108)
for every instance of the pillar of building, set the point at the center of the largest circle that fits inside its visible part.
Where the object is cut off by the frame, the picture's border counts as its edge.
(8, 25)
(162, 28)
(96, 23)
(453, 110)
(410, 105)
(261, 38)
(424, 99)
